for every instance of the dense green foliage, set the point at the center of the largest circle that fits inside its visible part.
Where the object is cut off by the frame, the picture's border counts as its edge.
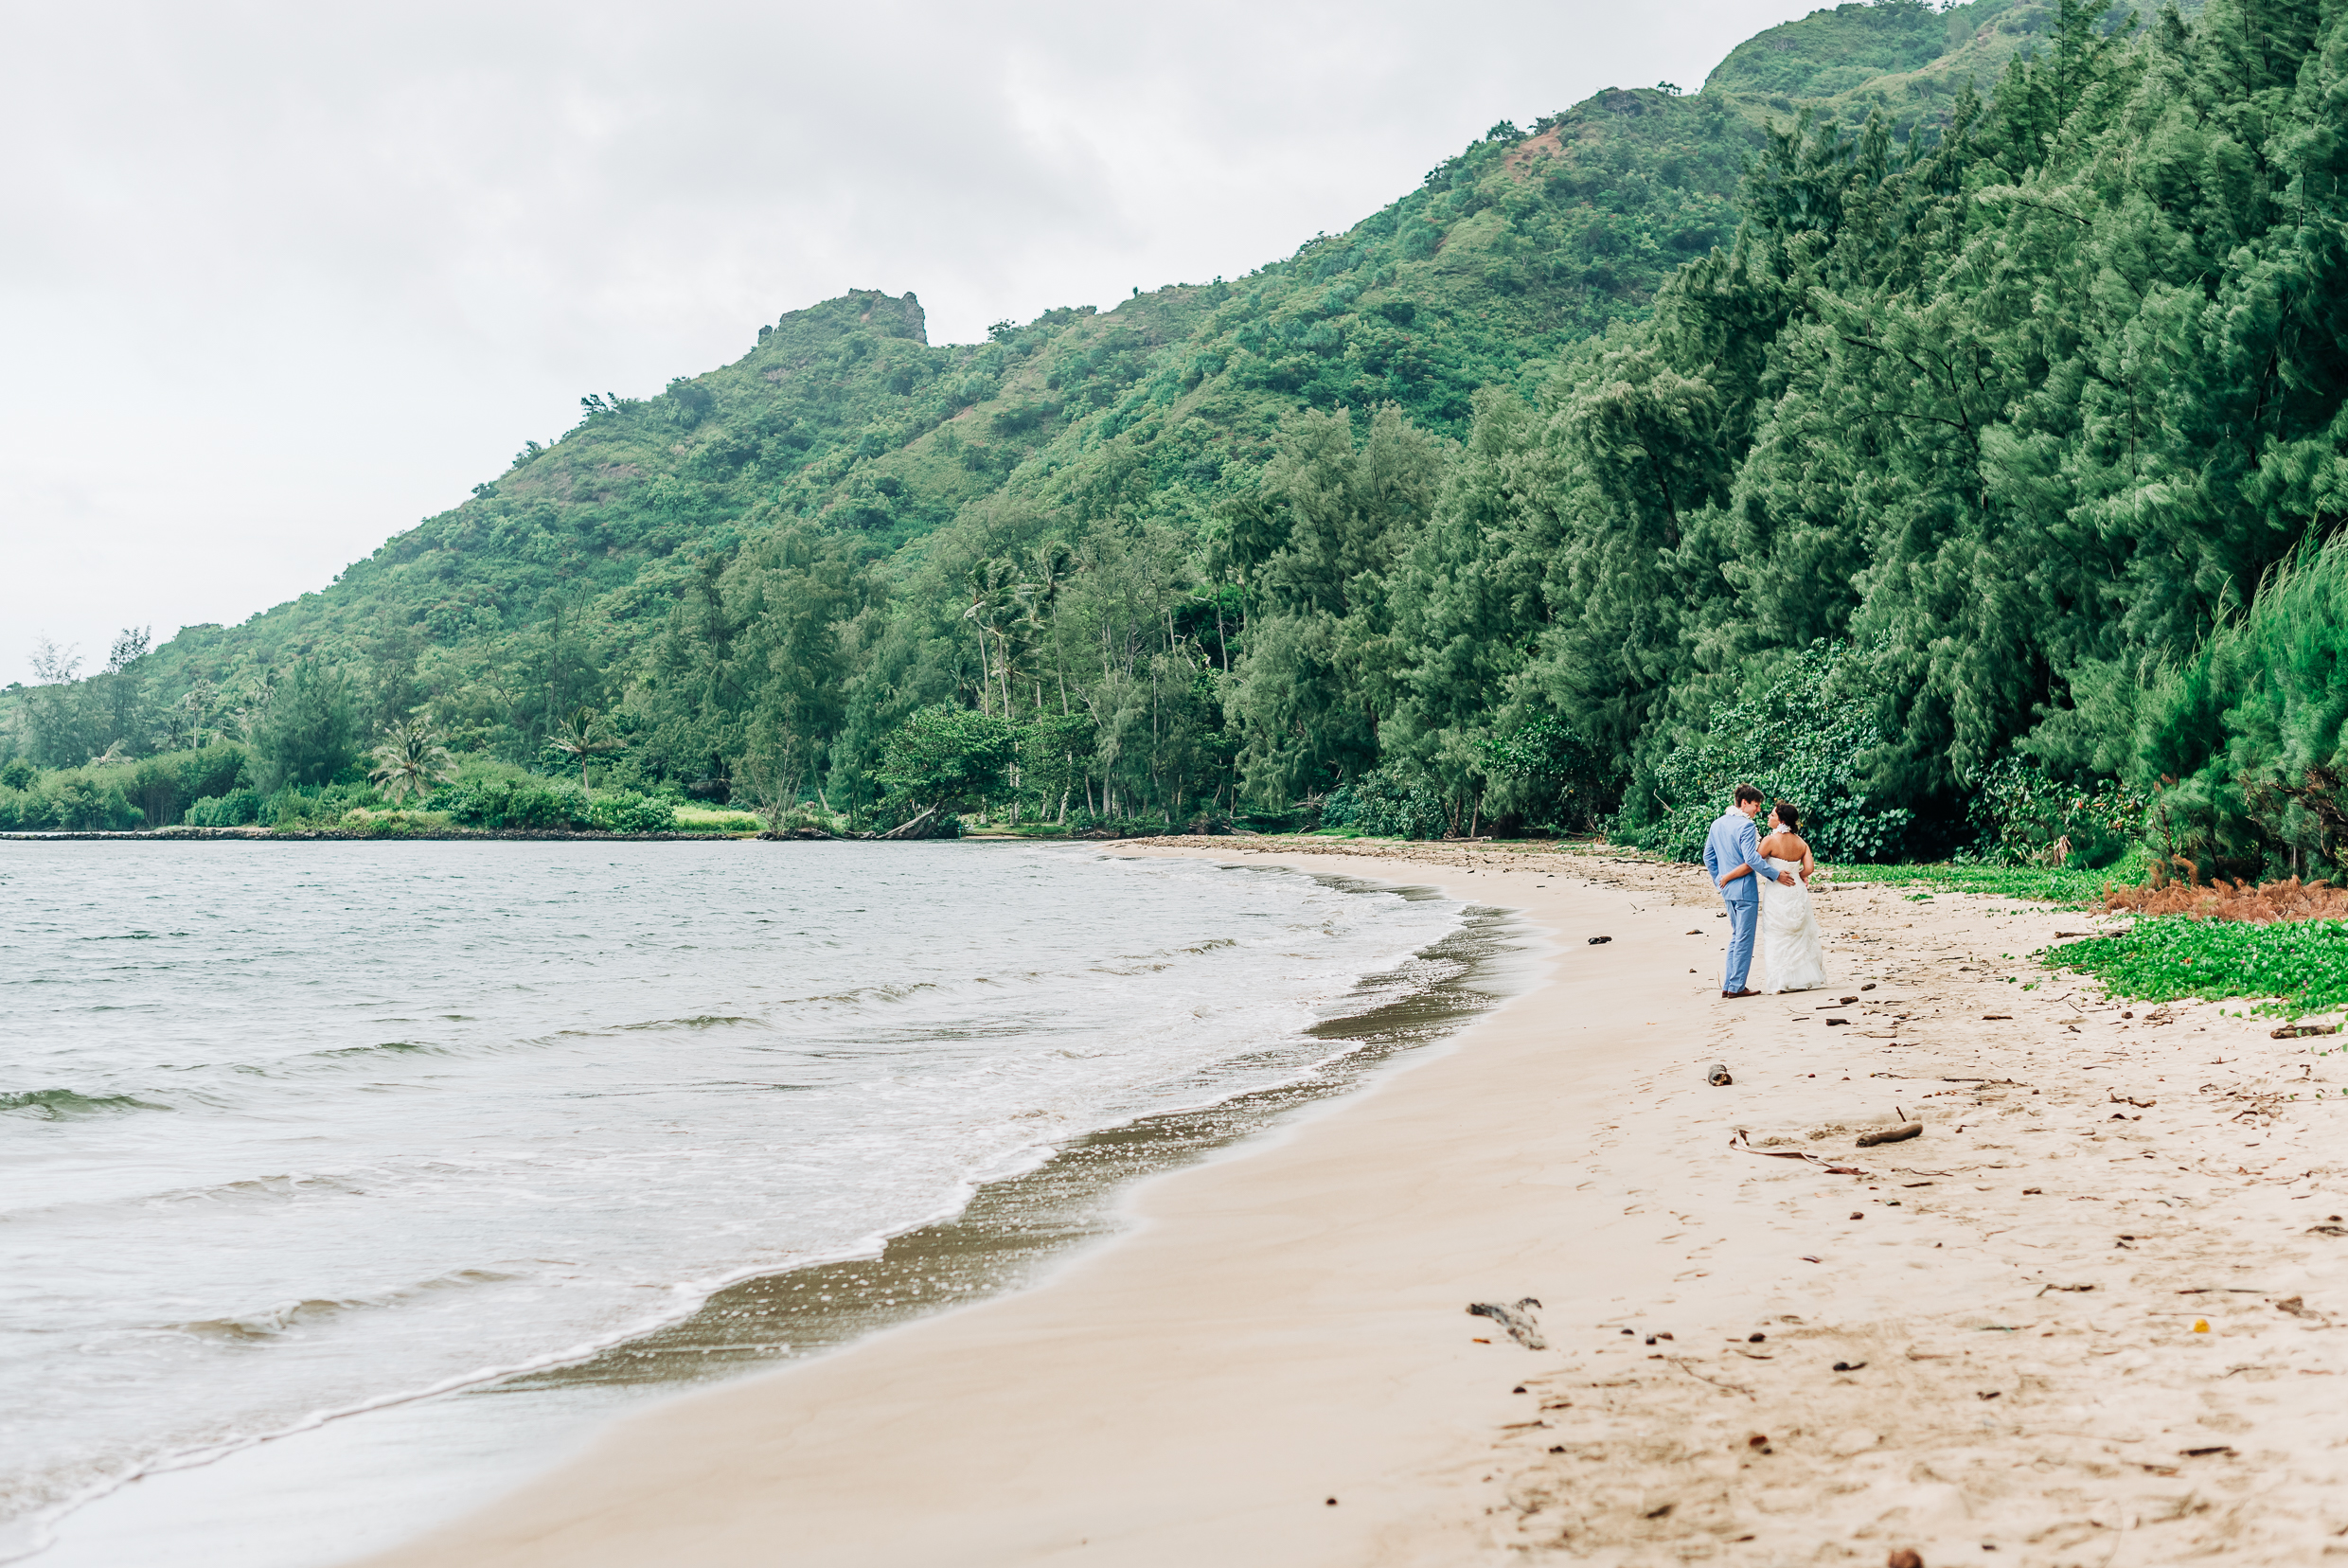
(1386, 803)
(947, 757)
(1937, 474)
(2023, 413)
(2247, 741)
(2295, 966)
(116, 794)
(1800, 740)
(534, 803)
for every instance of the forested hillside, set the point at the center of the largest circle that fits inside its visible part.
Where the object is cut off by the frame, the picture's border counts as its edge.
(1905, 454)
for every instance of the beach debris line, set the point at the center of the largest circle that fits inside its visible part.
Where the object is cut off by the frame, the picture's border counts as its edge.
(2301, 1031)
(1517, 1319)
(1717, 1076)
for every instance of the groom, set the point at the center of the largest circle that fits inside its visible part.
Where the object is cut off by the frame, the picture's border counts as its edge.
(1733, 858)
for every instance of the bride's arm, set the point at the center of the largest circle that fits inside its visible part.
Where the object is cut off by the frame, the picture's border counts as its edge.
(1809, 866)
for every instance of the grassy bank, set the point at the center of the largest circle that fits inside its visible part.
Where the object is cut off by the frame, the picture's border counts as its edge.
(2040, 884)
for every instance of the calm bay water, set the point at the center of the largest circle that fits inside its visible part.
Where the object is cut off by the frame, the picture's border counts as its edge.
(294, 1131)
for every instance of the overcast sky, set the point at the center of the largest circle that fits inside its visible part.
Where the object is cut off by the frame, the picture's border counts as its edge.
(279, 280)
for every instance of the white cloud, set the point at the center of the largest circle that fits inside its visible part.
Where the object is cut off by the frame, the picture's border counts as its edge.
(282, 279)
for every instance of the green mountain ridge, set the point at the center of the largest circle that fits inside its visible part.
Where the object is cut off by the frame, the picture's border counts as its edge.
(1515, 249)
(1936, 458)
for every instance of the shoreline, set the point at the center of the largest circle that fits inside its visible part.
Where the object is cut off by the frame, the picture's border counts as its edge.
(1013, 1228)
(1018, 1227)
(1288, 1324)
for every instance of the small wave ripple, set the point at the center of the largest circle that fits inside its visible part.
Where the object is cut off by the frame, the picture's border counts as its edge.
(443, 1114)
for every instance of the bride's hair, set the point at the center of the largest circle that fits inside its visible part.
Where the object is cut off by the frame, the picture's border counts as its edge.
(1786, 814)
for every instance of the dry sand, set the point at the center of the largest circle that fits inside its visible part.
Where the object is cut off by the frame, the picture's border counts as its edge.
(1276, 1366)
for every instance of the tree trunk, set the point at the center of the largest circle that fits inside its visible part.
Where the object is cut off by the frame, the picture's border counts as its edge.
(986, 675)
(913, 828)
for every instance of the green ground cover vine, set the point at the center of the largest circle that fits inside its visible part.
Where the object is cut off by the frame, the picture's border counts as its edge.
(2291, 966)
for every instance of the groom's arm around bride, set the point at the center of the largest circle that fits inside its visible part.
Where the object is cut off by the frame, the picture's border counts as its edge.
(1732, 852)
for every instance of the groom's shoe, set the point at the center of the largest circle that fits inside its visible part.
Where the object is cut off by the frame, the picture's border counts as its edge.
(1731, 996)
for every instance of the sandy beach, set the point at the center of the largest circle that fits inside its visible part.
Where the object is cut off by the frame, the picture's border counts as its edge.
(2092, 1314)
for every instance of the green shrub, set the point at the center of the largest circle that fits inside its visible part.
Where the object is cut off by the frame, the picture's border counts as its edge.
(2245, 744)
(164, 785)
(1385, 804)
(81, 803)
(392, 824)
(632, 813)
(236, 809)
(1545, 772)
(526, 803)
(513, 803)
(1802, 739)
(295, 807)
(2027, 818)
(25, 811)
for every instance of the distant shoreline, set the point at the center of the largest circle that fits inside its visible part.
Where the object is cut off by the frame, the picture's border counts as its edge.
(313, 835)
(478, 835)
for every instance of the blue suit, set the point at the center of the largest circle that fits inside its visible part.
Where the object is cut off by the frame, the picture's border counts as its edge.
(1731, 844)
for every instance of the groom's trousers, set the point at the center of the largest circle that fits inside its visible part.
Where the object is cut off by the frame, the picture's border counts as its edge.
(1743, 915)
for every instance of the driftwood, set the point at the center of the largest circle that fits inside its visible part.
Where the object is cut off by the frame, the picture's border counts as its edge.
(2301, 1031)
(919, 827)
(1889, 1134)
(1738, 1140)
(1519, 1320)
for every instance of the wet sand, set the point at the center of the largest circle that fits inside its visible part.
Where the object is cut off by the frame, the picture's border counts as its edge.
(2014, 1294)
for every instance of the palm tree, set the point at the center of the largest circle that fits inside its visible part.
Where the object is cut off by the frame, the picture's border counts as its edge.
(1056, 562)
(990, 585)
(577, 741)
(413, 761)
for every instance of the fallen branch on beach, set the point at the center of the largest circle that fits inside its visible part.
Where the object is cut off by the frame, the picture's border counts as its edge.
(1737, 1140)
(1891, 1134)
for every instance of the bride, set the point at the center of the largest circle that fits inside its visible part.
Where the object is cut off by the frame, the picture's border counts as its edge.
(1790, 951)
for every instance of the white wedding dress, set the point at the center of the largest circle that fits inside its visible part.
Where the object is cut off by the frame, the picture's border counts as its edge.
(1791, 953)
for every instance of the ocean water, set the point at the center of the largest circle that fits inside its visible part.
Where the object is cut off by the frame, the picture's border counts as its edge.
(294, 1132)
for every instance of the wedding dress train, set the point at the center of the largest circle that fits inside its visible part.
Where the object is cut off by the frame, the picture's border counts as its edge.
(1792, 952)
